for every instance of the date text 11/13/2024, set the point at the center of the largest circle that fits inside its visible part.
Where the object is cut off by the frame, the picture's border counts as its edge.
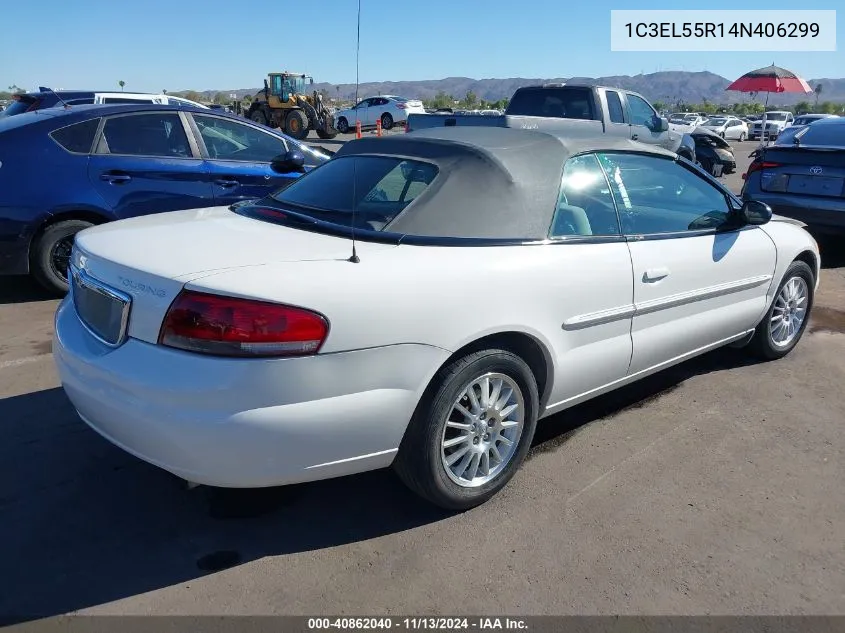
(720, 29)
(418, 623)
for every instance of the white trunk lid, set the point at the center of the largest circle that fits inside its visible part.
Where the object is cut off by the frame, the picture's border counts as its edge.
(151, 258)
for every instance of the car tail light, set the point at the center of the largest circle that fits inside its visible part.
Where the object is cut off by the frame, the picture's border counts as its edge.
(230, 326)
(758, 166)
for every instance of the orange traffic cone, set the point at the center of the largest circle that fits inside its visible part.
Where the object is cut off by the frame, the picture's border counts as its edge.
(357, 129)
(378, 127)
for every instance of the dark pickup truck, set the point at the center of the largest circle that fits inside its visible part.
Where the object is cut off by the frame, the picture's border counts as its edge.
(575, 110)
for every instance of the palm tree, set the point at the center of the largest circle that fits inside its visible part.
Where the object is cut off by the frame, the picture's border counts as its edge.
(121, 83)
(818, 92)
(163, 91)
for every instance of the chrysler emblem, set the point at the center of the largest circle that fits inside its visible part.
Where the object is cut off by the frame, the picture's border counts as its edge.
(815, 170)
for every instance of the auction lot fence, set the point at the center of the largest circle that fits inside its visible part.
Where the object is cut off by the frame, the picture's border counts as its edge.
(541, 624)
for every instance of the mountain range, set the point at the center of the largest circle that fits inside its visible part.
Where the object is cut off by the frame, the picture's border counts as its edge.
(670, 87)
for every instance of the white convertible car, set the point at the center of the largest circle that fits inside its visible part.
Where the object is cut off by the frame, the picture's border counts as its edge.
(494, 277)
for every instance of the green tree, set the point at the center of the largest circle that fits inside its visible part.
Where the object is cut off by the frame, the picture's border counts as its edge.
(121, 83)
(818, 92)
(828, 107)
(221, 98)
(802, 107)
(193, 95)
(471, 100)
(659, 105)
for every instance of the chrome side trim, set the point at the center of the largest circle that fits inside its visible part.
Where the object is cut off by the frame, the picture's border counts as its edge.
(581, 321)
(89, 282)
(692, 296)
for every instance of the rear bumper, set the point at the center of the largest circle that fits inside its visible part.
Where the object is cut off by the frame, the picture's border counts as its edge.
(14, 257)
(16, 233)
(819, 213)
(244, 423)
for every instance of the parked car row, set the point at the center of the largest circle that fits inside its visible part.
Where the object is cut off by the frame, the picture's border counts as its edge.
(47, 98)
(229, 311)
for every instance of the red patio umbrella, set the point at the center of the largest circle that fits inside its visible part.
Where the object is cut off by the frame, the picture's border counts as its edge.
(769, 79)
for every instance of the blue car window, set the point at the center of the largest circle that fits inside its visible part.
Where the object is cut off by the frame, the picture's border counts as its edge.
(78, 137)
(159, 134)
(230, 140)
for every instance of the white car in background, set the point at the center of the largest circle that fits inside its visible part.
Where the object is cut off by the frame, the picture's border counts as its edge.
(776, 122)
(389, 109)
(728, 127)
(693, 119)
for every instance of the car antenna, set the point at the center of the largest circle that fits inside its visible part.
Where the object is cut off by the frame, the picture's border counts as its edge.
(53, 92)
(354, 258)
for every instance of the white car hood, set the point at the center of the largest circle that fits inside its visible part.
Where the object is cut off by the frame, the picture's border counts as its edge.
(184, 245)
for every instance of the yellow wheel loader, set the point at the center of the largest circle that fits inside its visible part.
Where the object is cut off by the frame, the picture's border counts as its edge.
(284, 104)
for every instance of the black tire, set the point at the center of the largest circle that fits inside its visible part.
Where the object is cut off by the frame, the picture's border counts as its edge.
(342, 125)
(325, 135)
(762, 344)
(48, 251)
(386, 121)
(419, 463)
(741, 137)
(259, 117)
(296, 125)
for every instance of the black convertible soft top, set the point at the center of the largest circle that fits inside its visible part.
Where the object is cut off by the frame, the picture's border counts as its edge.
(492, 183)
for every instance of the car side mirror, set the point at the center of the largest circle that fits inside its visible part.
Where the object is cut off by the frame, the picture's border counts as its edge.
(289, 161)
(659, 124)
(755, 212)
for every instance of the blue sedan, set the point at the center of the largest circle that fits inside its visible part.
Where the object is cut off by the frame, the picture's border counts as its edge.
(65, 169)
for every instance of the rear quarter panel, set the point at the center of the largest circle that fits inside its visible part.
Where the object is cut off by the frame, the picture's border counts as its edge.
(448, 297)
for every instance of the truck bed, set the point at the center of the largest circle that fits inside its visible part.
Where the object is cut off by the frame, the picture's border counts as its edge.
(576, 127)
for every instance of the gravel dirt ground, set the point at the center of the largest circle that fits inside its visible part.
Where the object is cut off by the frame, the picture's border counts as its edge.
(715, 487)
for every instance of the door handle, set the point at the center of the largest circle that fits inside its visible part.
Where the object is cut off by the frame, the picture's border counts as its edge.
(655, 274)
(225, 182)
(115, 178)
(634, 137)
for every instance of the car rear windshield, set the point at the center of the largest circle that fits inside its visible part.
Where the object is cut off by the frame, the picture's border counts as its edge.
(820, 134)
(716, 121)
(561, 103)
(775, 116)
(17, 107)
(377, 188)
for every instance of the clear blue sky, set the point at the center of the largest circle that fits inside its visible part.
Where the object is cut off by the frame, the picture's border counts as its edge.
(227, 44)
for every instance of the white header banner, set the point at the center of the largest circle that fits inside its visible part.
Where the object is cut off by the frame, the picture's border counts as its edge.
(723, 30)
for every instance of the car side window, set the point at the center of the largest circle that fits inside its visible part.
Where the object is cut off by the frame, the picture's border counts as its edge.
(230, 140)
(614, 107)
(77, 138)
(585, 203)
(159, 134)
(641, 112)
(658, 195)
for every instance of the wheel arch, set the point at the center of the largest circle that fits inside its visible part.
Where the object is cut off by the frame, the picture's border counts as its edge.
(87, 215)
(529, 348)
(809, 257)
